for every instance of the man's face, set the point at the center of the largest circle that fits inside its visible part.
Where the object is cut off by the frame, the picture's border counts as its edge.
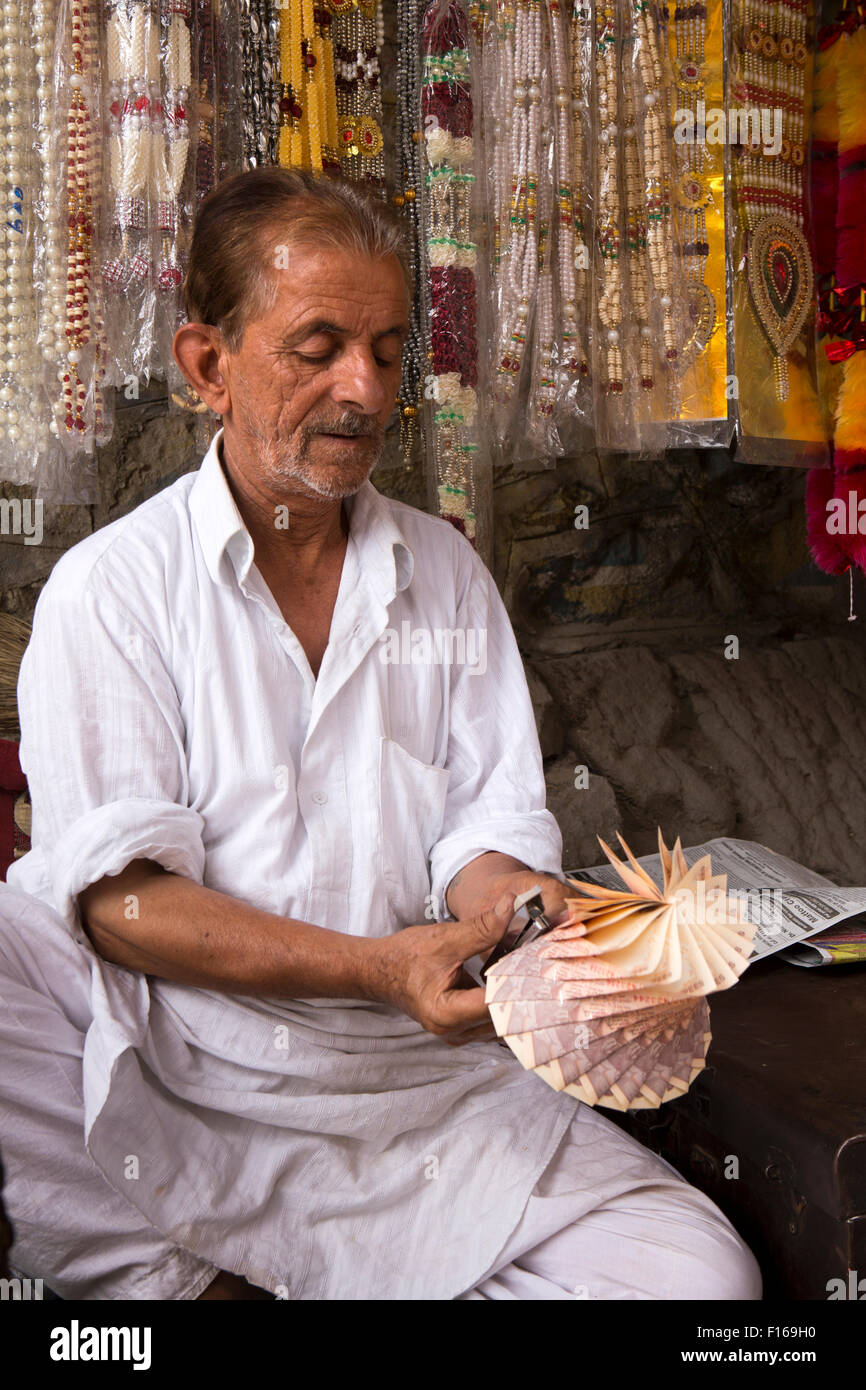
(315, 380)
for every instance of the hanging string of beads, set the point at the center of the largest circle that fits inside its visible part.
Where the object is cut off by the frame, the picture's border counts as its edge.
(409, 182)
(451, 253)
(359, 33)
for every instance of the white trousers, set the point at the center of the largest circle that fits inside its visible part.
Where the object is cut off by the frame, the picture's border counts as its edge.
(650, 1236)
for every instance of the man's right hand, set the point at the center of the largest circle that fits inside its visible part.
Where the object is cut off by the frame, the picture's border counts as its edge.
(420, 970)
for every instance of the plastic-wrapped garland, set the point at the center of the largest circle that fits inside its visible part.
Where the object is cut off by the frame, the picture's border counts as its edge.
(520, 54)
(132, 80)
(261, 109)
(81, 416)
(636, 232)
(221, 130)
(652, 99)
(205, 154)
(22, 419)
(447, 121)
(173, 171)
(608, 219)
(541, 436)
(359, 34)
(558, 356)
(575, 286)
(409, 176)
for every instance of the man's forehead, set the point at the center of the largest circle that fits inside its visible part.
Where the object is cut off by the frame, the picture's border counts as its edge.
(370, 299)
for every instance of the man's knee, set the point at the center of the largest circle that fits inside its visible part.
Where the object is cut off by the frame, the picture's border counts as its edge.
(720, 1269)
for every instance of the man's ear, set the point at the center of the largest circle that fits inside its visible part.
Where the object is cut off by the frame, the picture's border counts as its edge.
(199, 351)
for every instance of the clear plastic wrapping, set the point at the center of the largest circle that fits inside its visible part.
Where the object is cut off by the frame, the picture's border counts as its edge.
(26, 102)
(779, 418)
(76, 377)
(449, 221)
(696, 50)
(216, 132)
(534, 151)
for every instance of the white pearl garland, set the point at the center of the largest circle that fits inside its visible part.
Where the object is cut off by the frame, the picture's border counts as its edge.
(25, 72)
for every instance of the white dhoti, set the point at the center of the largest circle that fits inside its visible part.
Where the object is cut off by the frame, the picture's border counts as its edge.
(154, 1133)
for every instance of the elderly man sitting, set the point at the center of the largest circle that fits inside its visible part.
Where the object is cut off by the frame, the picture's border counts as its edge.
(238, 1055)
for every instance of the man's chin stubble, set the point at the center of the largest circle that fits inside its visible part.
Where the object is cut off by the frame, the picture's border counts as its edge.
(342, 476)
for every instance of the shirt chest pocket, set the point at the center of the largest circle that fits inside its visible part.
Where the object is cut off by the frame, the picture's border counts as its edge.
(412, 807)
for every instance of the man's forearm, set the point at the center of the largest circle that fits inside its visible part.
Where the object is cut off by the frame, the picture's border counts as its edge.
(476, 887)
(164, 925)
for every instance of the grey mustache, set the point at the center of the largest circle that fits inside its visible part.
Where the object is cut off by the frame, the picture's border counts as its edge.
(353, 427)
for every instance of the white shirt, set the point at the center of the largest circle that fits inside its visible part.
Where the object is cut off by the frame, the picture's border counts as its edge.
(331, 1148)
(169, 712)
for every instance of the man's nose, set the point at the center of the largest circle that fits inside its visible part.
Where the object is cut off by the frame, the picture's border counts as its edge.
(359, 381)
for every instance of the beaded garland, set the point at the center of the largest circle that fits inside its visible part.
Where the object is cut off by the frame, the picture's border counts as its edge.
(23, 412)
(519, 57)
(82, 420)
(409, 174)
(132, 72)
(50, 232)
(171, 147)
(656, 170)
(260, 29)
(309, 120)
(447, 121)
(636, 225)
(771, 36)
(574, 220)
(608, 227)
(693, 194)
(206, 133)
(359, 33)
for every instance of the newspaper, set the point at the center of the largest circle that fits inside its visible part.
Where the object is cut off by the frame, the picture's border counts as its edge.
(787, 902)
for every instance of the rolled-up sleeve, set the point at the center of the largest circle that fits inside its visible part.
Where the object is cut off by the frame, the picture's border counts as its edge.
(102, 745)
(496, 791)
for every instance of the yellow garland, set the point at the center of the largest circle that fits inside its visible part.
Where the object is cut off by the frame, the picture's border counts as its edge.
(851, 406)
(852, 109)
(332, 128)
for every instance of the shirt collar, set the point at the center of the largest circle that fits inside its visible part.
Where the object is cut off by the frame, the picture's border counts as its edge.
(228, 548)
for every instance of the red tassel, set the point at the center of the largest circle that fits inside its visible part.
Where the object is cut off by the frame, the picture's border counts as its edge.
(850, 468)
(825, 549)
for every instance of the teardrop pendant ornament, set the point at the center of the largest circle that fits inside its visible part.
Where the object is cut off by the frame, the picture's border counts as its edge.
(781, 284)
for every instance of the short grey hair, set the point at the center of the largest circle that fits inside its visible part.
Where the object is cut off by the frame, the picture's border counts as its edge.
(230, 278)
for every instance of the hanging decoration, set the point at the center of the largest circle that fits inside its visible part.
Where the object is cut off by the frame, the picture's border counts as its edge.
(132, 77)
(771, 76)
(836, 496)
(261, 27)
(409, 175)
(24, 412)
(218, 129)
(696, 52)
(81, 414)
(309, 123)
(564, 170)
(532, 73)
(358, 34)
(451, 253)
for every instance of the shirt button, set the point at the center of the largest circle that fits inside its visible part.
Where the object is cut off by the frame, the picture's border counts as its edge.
(320, 797)
(356, 629)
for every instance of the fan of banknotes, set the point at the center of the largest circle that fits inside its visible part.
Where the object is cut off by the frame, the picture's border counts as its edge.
(610, 1005)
